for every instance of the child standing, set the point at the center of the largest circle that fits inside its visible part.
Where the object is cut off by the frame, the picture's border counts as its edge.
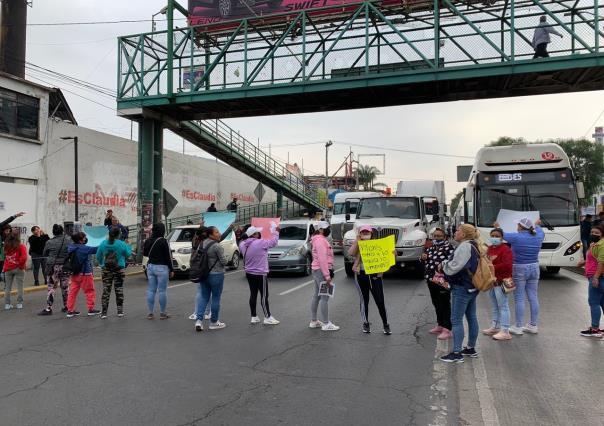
(15, 261)
(82, 277)
(111, 256)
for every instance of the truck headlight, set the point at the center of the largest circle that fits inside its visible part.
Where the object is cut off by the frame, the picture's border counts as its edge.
(296, 251)
(184, 250)
(573, 249)
(413, 243)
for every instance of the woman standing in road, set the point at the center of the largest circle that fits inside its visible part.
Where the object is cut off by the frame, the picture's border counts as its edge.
(368, 283)
(526, 244)
(501, 255)
(594, 265)
(458, 273)
(322, 272)
(440, 291)
(159, 269)
(211, 287)
(14, 267)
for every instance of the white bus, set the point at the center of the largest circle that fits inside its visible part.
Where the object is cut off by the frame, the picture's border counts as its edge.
(527, 177)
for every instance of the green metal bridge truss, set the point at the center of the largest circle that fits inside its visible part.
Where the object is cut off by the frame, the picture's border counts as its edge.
(367, 56)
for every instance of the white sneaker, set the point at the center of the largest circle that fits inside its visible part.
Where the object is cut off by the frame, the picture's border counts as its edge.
(533, 329)
(8, 307)
(315, 324)
(19, 305)
(193, 317)
(255, 320)
(516, 330)
(207, 316)
(217, 325)
(198, 325)
(330, 326)
(271, 321)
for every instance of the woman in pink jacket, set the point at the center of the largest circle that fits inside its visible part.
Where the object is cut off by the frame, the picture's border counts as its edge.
(322, 271)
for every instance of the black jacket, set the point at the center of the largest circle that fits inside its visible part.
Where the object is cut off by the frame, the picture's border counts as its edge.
(160, 255)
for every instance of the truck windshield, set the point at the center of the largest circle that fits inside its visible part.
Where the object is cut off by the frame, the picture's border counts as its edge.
(399, 207)
(551, 193)
(340, 208)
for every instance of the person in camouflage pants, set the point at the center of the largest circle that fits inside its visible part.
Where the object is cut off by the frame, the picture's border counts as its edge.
(113, 278)
(57, 278)
(111, 256)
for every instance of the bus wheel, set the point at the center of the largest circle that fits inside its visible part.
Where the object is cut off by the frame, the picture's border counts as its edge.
(552, 269)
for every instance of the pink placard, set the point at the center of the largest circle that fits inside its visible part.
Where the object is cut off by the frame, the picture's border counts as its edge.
(265, 224)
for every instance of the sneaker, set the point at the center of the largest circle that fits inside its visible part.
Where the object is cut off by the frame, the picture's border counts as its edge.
(366, 327)
(516, 330)
(163, 316)
(103, 315)
(72, 314)
(330, 326)
(93, 312)
(532, 329)
(592, 332)
(315, 324)
(19, 305)
(452, 357)
(199, 325)
(207, 316)
(436, 330)
(471, 352)
(255, 320)
(8, 307)
(120, 312)
(490, 331)
(271, 321)
(150, 316)
(45, 312)
(36, 284)
(64, 309)
(193, 317)
(502, 335)
(387, 330)
(217, 325)
(445, 335)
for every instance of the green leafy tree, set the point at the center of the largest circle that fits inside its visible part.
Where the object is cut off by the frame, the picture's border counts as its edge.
(455, 202)
(366, 176)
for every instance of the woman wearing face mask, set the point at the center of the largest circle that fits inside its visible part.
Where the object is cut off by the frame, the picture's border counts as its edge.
(440, 292)
(502, 258)
(368, 283)
(322, 271)
(595, 285)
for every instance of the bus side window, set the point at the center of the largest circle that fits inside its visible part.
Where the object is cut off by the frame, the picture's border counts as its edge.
(470, 210)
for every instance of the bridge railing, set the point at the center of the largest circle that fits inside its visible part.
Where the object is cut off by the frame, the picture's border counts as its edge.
(368, 39)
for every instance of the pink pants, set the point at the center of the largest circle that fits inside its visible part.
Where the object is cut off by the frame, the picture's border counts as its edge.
(86, 283)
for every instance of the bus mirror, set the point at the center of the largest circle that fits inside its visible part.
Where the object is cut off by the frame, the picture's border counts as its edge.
(580, 190)
(468, 195)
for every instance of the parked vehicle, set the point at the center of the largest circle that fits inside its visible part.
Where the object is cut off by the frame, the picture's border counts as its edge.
(433, 196)
(294, 252)
(344, 212)
(180, 240)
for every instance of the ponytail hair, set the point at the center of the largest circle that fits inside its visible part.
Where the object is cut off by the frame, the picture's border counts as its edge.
(532, 230)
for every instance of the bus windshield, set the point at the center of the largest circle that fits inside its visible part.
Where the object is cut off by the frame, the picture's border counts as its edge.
(552, 193)
(340, 208)
(398, 207)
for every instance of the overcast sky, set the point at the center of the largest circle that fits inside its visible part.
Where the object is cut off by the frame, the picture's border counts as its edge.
(89, 52)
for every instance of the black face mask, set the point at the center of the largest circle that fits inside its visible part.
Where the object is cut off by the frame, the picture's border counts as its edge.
(594, 238)
(326, 232)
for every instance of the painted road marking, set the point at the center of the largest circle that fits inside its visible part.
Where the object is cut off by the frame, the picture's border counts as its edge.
(298, 287)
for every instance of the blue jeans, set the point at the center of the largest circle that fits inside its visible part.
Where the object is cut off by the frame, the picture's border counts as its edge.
(198, 301)
(211, 288)
(158, 277)
(595, 297)
(526, 278)
(501, 309)
(463, 303)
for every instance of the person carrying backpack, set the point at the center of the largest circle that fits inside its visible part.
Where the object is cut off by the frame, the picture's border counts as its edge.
(111, 256)
(458, 273)
(55, 252)
(79, 265)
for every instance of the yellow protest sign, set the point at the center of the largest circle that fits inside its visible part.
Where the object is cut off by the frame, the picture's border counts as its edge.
(377, 255)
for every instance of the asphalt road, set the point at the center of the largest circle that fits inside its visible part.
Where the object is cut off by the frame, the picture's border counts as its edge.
(88, 371)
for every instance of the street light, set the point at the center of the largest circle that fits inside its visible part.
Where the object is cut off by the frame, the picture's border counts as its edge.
(75, 165)
(327, 145)
(162, 11)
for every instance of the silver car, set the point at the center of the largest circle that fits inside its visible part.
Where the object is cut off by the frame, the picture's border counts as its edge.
(294, 252)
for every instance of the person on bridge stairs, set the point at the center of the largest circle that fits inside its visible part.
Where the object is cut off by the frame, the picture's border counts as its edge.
(526, 244)
(36, 248)
(322, 271)
(440, 291)
(111, 256)
(255, 262)
(368, 283)
(501, 256)
(15, 261)
(55, 252)
(159, 269)
(83, 278)
(541, 38)
(594, 266)
(463, 293)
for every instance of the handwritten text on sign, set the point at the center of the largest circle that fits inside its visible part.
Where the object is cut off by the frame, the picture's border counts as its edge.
(377, 255)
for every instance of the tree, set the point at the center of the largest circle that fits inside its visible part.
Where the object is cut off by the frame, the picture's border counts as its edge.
(455, 202)
(506, 140)
(366, 176)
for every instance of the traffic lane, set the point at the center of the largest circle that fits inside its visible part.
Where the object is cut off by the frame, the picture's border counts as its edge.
(554, 377)
(163, 372)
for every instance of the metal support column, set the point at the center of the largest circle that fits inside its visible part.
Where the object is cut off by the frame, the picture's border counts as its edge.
(279, 204)
(146, 177)
(158, 155)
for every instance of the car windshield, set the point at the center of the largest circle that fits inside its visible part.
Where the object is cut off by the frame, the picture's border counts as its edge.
(340, 208)
(293, 232)
(181, 235)
(399, 207)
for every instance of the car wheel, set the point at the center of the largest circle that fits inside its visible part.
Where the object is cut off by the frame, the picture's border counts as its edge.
(308, 267)
(348, 269)
(552, 269)
(225, 8)
(235, 261)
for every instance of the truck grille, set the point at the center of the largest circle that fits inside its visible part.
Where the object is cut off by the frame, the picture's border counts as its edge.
(274, 255)
(346, 227)
(385, 232)
(550, 246)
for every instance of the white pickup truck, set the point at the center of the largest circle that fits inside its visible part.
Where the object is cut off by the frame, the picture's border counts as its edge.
(403, 217)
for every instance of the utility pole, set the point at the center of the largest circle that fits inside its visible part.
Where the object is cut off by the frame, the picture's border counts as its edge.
(327, 145)
(75, 165)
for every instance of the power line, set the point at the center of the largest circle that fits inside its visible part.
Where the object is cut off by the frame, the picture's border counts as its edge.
(407, 151)
(36, 161)
(121, 21)
(593, 124)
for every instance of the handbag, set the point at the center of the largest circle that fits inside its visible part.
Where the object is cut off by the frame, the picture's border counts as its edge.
(508, 285)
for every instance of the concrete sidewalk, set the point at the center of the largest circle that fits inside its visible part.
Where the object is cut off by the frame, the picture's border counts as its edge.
(28, 284)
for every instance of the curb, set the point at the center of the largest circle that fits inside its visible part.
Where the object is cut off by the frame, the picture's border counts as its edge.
(42, 287)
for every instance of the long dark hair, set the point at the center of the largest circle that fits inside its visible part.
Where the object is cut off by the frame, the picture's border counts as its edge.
(13, 241)
(78, 237)
(158, 230)
(113, 234)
